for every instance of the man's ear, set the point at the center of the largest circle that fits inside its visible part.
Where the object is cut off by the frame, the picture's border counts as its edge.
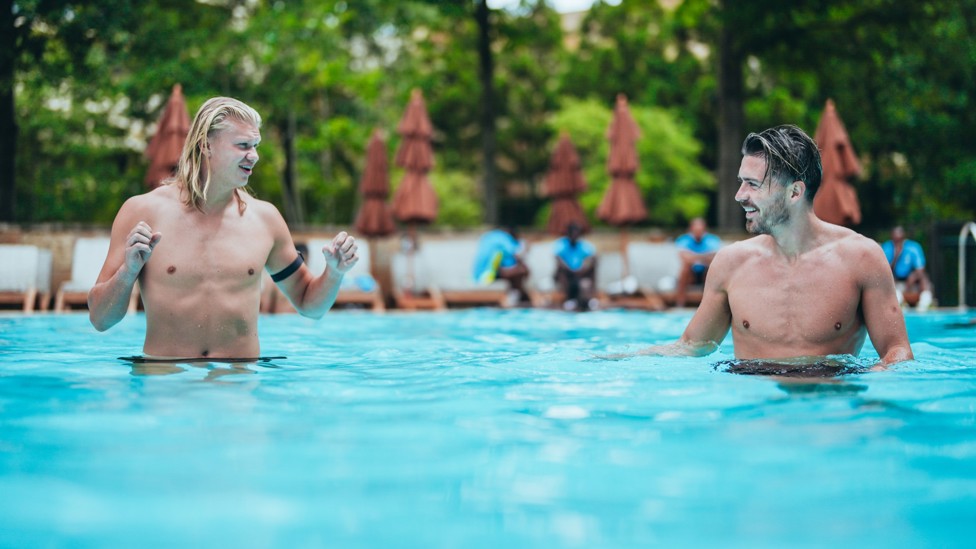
(797, 189)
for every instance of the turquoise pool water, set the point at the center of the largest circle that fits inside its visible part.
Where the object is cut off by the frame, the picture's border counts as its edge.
(479, 428)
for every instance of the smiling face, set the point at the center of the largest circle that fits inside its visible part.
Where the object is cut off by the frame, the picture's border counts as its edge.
(765, 201)
(233, 154)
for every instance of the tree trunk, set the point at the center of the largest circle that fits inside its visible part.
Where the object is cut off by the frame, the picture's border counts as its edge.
(730, 126)
(289, 180)
(488, 134)
(8, 120)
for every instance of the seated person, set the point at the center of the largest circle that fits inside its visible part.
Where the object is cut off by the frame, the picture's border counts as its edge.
(907, 262)
(498, 256)
(696, 248)
(576, 269)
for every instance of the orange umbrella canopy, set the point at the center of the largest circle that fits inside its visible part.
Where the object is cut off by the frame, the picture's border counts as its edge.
(166, 145)
(562, 184)
(836, 200)
(415, 200)
(374, 217)
(622, 204)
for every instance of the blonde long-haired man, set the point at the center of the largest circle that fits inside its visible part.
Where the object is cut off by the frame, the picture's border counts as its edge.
(197, 246)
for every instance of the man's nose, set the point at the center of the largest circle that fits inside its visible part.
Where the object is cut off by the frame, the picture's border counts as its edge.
(740, 195)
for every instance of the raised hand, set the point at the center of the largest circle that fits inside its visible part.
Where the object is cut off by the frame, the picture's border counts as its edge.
(341, 254)
(139, 246)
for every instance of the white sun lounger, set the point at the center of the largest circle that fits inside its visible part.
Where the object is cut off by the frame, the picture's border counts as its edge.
(87, 258)
(19, 274)
(448, 267)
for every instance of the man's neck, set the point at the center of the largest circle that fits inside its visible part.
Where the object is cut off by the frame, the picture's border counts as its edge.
(219, 199)
(797, 236)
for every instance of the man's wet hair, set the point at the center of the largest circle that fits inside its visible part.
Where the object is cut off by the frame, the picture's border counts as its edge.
(790, 156)
(215, 115)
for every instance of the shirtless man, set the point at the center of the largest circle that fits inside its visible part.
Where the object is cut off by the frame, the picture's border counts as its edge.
(197, 246)
(803, 288)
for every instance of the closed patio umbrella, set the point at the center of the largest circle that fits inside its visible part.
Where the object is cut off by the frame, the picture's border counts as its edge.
(836, 200)
(622, 204)
(563, 184)
(167, 143)
(375, 218)
(415, 200)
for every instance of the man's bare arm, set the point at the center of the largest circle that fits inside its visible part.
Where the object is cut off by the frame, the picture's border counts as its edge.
(711, 321)
(311, 296)
(879, 303)
(677, 348)
(132, 243)
(321, 292)
(708, 326)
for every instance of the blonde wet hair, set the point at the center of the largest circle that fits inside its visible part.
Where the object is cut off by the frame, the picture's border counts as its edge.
(215, 115)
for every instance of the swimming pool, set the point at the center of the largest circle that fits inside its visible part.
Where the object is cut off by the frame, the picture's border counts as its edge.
(477, 428)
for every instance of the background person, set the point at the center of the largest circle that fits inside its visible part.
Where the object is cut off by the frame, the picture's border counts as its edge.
(575, 269)
(499, 257)
(197, 246)
(696, 248)
(907, 262)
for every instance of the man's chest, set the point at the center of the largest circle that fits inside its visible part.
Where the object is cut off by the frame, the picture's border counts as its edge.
(813, 301)
(195, 252)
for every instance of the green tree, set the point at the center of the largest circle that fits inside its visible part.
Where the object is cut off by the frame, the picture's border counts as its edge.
(57, 48)
(92, 79)
(530, 53)
(656, 56)
(674, 184)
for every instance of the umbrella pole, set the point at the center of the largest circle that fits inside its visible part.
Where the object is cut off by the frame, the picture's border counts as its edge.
(372, 259)
(411, 266)
(623, 251)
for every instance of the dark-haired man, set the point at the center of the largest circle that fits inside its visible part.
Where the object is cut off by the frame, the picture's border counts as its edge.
(802, 288)
(907, 262)
(576, 269)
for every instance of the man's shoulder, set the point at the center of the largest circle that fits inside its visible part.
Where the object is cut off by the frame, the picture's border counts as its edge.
(859, 251)
(855, 241)
(736, 254)
(152, 200)
(262, 208)
(748, 246)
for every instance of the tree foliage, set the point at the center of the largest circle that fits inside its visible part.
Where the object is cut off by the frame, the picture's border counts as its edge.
(89, 81)
(671, 179)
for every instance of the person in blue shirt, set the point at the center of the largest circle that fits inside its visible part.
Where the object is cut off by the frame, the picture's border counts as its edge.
(696, 249)
(499, 257)
(576, 269)
(907, 262)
